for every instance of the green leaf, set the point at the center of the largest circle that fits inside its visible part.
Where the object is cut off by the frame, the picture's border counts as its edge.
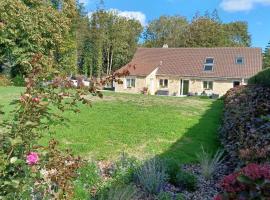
(16, 141)
(245, 179)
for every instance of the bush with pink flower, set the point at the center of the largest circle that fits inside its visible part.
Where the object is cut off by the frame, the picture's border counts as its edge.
(251, 182)
(32, 158)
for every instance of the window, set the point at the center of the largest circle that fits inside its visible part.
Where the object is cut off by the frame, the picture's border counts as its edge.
(208, 85)
(130, 82)
(239, 60)
(163, 83)
(209, 61)
(236, 84)
(208, 65)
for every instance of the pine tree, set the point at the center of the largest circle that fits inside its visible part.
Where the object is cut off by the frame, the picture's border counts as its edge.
(266, 57)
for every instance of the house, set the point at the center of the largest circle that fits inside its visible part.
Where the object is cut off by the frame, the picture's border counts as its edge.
(183, 71)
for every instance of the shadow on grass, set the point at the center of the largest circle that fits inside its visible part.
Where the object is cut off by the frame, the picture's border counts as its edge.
(204, 133)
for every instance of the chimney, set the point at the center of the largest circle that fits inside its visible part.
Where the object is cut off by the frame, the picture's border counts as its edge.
(165, 46)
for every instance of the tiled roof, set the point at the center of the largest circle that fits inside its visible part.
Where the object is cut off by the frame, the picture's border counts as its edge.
(189, 62)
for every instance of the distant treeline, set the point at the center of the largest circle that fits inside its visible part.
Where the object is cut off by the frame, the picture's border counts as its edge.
(72, 41)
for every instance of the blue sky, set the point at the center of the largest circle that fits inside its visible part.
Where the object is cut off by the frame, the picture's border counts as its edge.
(255, 12)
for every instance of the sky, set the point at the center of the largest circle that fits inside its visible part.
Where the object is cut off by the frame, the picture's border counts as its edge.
(255, 12)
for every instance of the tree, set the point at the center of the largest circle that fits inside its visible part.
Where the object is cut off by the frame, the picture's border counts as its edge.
(166, 30)
(32, 26)
(266, 57)
(203, 31)
(114, 39)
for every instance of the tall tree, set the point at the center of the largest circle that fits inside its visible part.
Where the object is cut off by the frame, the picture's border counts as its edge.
(203, 31)
(114, 39)
(166, 30)
(266, 57)
(33, 26)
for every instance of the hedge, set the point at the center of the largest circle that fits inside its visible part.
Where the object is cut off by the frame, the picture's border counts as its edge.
(245, 131)
(262, 78)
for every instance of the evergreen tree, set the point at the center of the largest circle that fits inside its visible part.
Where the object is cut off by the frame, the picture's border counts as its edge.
(266, 57)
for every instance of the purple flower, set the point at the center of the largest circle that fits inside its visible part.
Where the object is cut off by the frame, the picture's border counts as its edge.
(32, 158)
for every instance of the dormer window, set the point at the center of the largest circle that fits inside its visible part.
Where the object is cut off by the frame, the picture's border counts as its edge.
(239, 60)
(209, 64)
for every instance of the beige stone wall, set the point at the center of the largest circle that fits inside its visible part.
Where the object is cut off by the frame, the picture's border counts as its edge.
(195, 85)
(219, 86)
(140, 82)
(173, 85)
(151, 82)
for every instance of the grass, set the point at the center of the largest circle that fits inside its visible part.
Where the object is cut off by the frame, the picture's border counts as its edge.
(142, 126)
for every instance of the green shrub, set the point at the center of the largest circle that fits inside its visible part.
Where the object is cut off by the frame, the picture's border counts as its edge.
(172, 167)
(179, 197)
(186, 180)
(208, 163)
(120, 192)
(165, 196)
(88, 178)
(262, 78)
(4, 81)
(169, 196)
(152, 176)
(125, 168)
(18, 81)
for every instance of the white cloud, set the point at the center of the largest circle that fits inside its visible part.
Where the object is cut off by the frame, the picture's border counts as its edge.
(86, 2)
(241, 5)
(137, 15)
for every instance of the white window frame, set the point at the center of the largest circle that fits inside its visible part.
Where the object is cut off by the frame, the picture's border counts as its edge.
(129, 81)
(240, 57)
(208, 88)
(208, 64)
(162, 86)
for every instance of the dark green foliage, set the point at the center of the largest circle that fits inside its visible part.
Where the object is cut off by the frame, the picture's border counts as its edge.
(152, 176)
(186, 180)
(170, 196)
(245, 132)
(172, 167)
(120, 192)
(124, 169)
(18, 80)
(262, 78)
(164, 196)
(266, 57)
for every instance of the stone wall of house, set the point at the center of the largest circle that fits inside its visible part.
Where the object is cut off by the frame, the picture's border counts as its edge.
(151, 82)
(219, 86)
(195, 85)
(140, 83)
(173, 85)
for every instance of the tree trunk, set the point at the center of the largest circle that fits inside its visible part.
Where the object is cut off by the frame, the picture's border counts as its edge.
(111, 62)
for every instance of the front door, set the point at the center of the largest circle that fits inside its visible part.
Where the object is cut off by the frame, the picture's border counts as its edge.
(184, 87)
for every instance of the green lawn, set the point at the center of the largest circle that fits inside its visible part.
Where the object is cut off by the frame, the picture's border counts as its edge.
(140, 125)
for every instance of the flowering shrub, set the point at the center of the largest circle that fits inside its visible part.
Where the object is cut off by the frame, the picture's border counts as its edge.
(26, 169)
(32, 158)
(251, 182)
